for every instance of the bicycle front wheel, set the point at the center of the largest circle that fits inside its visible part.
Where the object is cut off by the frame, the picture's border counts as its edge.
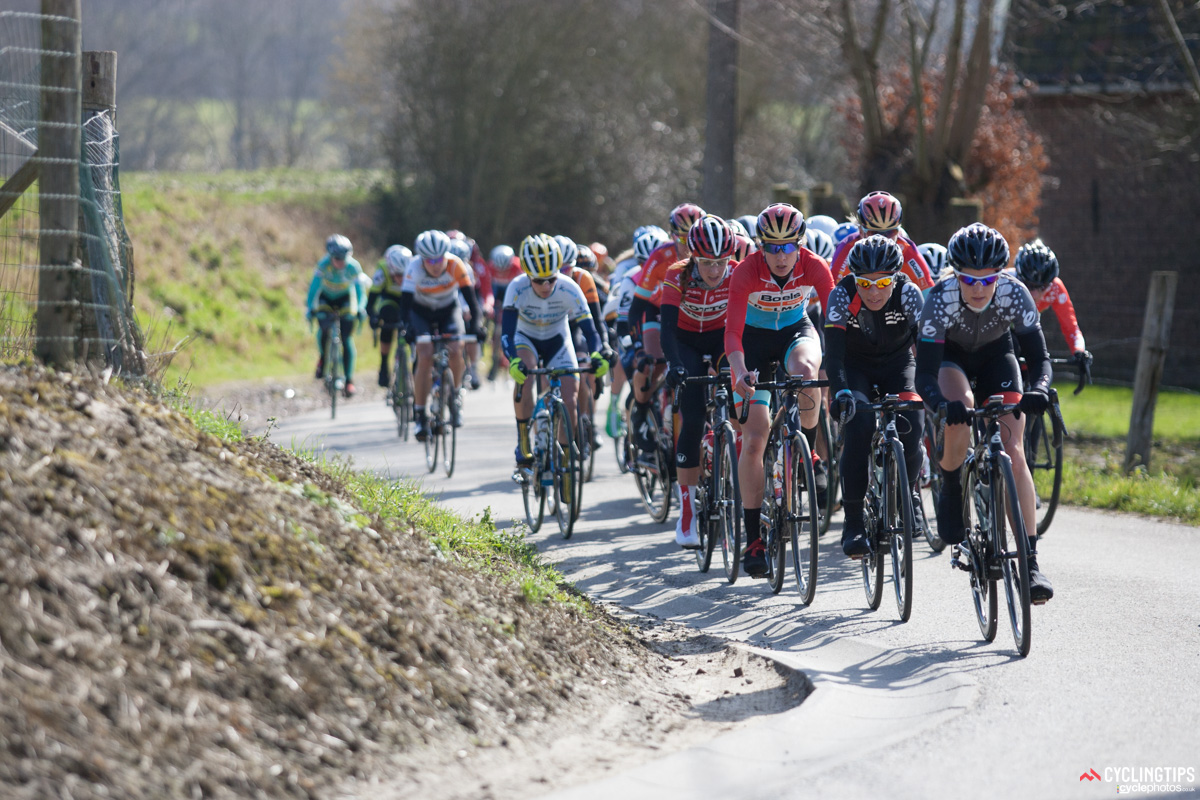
(902, 526)
(935, 487)
(728, 500)
(564, 468)
(1015, 563)
(333, 369)
(650, 473)
(1045, 461)
(586, 449)
(804, 518)
(775, 510)
(448, 432)
(401, 391)
(977, 500)
(433, 427)
(825, 440)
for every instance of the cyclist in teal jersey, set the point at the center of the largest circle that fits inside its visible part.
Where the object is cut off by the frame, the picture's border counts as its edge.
(337, 287)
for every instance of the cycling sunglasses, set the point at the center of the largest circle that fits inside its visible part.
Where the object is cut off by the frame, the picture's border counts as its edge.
(879, 283)
(543, 281)
(891, 233)
(782, 247)
(711, 262)
(968, 280)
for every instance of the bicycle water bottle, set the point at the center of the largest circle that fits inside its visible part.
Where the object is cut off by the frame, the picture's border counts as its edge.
(541, 430)
(706, 451)
(777, 477)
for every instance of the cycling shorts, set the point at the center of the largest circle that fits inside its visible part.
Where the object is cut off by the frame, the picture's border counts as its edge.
(427, 321)
(692, 349)
(992, 369)
(763, 347)
(553, 353)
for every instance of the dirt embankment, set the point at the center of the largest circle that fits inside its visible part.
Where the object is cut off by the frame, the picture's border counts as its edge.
(188, 617)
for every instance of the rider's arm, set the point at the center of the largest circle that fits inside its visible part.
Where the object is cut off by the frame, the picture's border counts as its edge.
(508, 332)
(915, 266)
(468, 293)
(735, 312)
(837, 267)
(598, 322)
(637, 311)
(835, 339)
(314, 289)
(1065, 311)
(669, 322)
(1027, 328)
(406, 303)
(821, 277)
(589, 333)
(929, 363)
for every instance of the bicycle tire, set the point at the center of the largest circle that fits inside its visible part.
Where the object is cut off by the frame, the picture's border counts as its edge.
(1039, 445)
(577, 469)
(705, 520)
(1016, 576)
(935, 542)
(621, 440)
(449, 433)
(587, 451)
(333, 367)
(875, 520)
(562, 466)
(729, 501)
(983, 587)
(533, 494)
(651, 476)
(774, 510)
(804, 520)
(400, 391)
(432, 426)
(832, 469)
(903, 525)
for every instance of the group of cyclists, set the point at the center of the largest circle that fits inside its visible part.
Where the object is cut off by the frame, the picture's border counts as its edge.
(769, 297)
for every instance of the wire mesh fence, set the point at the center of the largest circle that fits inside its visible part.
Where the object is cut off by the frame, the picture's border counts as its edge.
(99, 326)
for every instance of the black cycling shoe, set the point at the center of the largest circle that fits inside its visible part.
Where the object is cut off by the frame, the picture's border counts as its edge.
(385, 377)
(854, 532)
(1040, 588)
(524, 460)
(456, 411)
(420, 429)
(950, 515)
(821, 476)
(918, 515)
(754, 560)
(320, 368)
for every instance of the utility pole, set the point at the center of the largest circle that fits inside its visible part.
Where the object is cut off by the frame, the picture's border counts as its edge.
(720, 130)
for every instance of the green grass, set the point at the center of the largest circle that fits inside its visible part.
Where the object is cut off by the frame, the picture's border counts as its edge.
(1160, 494)
(306, 188)
(1103, 411)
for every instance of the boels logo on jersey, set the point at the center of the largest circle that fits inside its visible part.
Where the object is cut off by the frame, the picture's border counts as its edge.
(791, 297)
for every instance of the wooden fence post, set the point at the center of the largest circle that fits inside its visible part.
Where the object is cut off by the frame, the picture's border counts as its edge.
(1156, 331)
(58, 192)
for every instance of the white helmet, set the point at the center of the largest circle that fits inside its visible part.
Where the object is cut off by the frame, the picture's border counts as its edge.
(501, 257)
(934, 255)
(462, 249)
(397, 257)
(820, 242)
(569, 250)
(647, 243)
(823, 223)
(432, 245)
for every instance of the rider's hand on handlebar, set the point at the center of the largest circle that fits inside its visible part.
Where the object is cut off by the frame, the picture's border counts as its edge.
(1034, 403)
(599, 364)
(516, 368)
(744, 385)
(374, 318)
(956, 413)
(843, 406)
(675, 377)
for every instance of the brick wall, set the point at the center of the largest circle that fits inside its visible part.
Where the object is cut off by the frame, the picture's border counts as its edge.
(1117, 206)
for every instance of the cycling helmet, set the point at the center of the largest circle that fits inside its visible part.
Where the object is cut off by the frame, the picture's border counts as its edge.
(647, 243)
(462, 249)
(823, 223)
(874, 253)
(586, 259)
(781, 222)
(934, 255)
(1037, 265)
(338, 246)
(501, 257)
(743, 246)
(637, 234)
(977, 247)
(750, 223)
(540, 256)
(397, 257)
(432, 245)
(879, 211)
(683, 216)
(738, 228)
(569, 250)
(454, 234)
(843, 232)
(710, 237)
(820, 243)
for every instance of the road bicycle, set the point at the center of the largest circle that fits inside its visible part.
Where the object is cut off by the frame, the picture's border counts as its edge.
(930, 444)
(718, 494)
(556, 474)
(333, 366)
(826, 437)
(444, 407)
(887, 506)
(789, 505)
(990, 505)
(654, 469)
(1044, 449)
(399, 395)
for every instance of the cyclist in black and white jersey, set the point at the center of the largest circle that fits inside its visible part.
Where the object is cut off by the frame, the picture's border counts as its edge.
(964, 338)
(870, 329)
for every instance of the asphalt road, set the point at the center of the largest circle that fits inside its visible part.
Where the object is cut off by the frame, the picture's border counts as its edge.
(918, 709)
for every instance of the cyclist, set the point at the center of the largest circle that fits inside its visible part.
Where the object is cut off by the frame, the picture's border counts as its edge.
(1037, 268)
(383, 303)
(539, 308)
(870, 330)
(935, 256)
(767, 324)
(823, 223)
(462, 247)
(964, 340)
(743, 246)
(571, 253)
(434, 281)
(750, 223)
(843, 231)
(505, 267)
(879, 213)
(337, 288)
(695, 295)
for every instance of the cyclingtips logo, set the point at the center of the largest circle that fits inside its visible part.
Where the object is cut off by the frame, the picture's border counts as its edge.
(1144, 780)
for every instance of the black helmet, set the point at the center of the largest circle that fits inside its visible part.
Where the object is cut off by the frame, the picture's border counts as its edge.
(1037, 265)
(977, 247)
(875, 254)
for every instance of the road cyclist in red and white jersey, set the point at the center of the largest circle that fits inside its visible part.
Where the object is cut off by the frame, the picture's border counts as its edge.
(1037, 267)
(429, 303)
(767, 324)
(695, 296)
(643, 315)
(880, 213)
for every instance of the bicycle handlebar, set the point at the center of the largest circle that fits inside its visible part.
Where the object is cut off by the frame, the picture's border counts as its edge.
(533, 373)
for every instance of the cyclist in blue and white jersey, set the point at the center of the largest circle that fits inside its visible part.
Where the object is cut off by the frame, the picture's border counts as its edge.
(337, 287)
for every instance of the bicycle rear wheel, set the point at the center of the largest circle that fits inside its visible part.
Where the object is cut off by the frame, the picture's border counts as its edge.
(876, 520)
(803, 518)
(705, 522)
(650, 473)
(728, 500)
(401, 391)
(564, 468)
(433, 428)
(1015, 562)
(1045, 460)
(621, 440)
(902, 525)
(587, 451)
(449, 433)
(774, 511)
(977, 501)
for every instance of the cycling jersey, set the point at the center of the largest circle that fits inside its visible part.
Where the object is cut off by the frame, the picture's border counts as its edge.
(438, 292)
(655, 269)
(384, 288)
(701, 308)
(1056, 297)
(757, 300)
(858, 336)
(623, 266)
(543, 318)
(337, 284)
(586, 282)
(914, 268)
(508, 274)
